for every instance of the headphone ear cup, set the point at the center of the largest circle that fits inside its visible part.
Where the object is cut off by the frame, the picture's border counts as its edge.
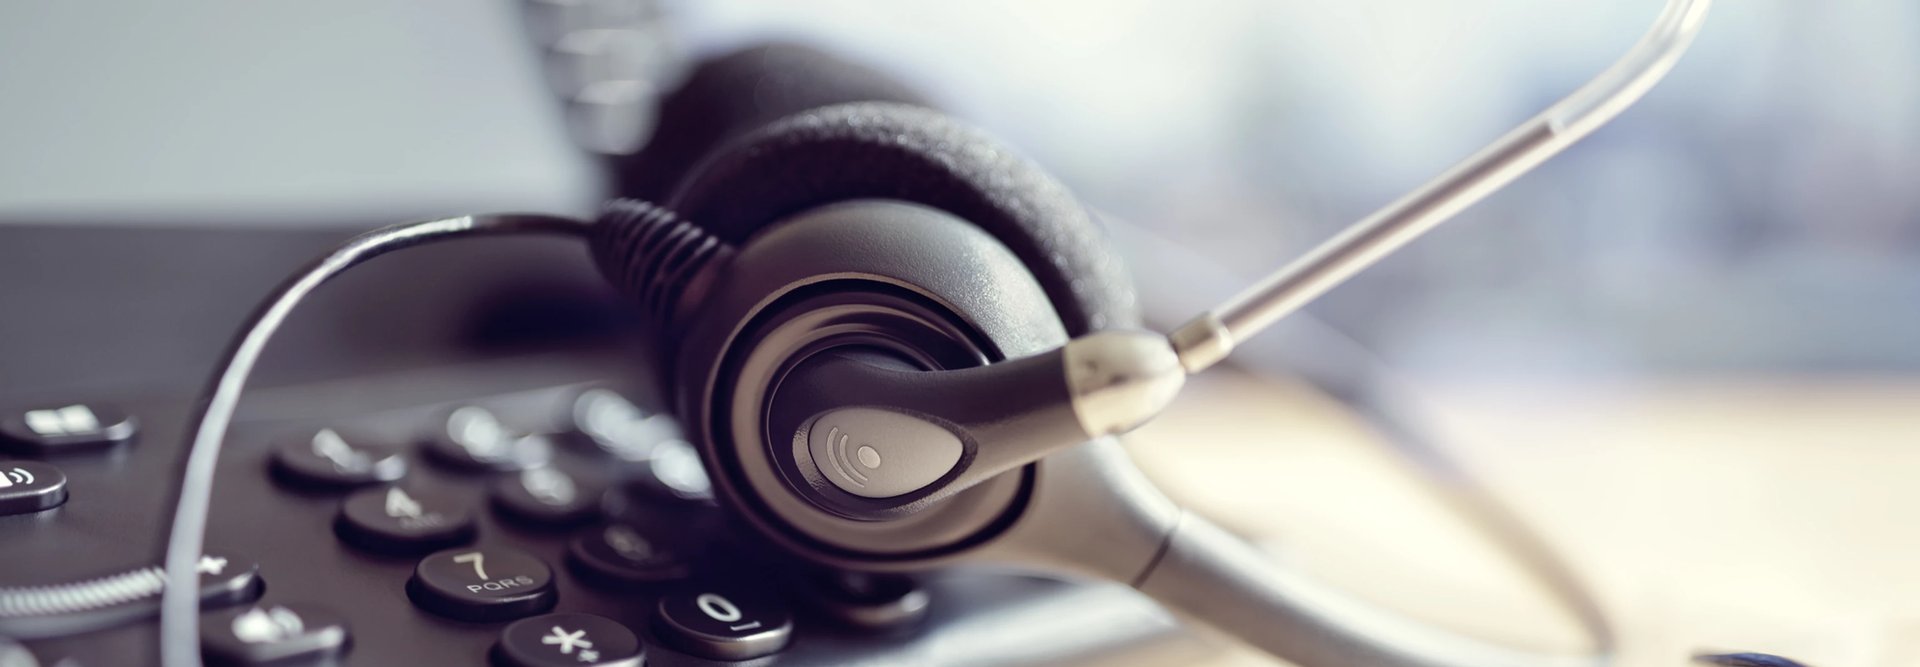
(893, 151)
(733, 94)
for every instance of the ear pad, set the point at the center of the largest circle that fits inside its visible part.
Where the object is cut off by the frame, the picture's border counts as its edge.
(736, 93)
(892, 151)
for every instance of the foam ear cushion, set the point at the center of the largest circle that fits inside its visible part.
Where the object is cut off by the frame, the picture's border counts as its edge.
(892, 151)
(733, 94)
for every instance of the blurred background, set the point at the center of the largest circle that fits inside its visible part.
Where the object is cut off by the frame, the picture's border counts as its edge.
(1688, 349)
(1752, 214)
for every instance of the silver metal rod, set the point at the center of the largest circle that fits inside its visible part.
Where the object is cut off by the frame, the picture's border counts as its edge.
(1207, 339)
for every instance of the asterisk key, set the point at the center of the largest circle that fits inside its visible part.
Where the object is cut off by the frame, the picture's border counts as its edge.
(567, 641)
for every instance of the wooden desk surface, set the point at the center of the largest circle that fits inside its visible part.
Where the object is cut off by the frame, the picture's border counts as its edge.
(1766, 514)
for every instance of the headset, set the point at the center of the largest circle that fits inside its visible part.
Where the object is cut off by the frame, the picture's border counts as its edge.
(899, 346)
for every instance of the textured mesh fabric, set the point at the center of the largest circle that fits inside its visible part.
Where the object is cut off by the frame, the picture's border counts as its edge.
(733, 94)
(892, 151)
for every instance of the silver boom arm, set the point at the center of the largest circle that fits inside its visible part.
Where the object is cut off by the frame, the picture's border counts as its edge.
(1205, 340)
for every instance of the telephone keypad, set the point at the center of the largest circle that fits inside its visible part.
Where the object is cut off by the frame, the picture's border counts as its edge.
(437, 562)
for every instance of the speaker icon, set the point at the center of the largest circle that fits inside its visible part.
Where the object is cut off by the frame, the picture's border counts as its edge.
(894, 453)
(837, 447)
(19, 476)
(30, 487)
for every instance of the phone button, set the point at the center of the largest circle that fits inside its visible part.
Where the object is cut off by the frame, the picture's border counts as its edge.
(473, 438)
(274, 634)
(64, 429)
(328, 458)
(545, 497)
(30, 486)
(623, 555)
(723, 622)
(482, 584)
(396, 520)
(569, 640)
(674, 475)
(616, 427)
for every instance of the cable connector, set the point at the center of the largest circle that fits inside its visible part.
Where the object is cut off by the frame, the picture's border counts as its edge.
(653, 257)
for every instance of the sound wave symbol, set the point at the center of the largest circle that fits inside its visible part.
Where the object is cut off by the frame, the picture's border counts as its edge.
(16, 476)
(837, 455)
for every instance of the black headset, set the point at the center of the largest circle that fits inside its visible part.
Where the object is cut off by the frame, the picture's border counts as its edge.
(899, 345)
(874, 278)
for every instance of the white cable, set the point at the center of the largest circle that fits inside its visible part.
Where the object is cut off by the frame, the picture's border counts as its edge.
(180, 598)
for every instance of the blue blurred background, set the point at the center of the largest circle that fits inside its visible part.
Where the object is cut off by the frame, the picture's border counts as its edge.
(1756, 212)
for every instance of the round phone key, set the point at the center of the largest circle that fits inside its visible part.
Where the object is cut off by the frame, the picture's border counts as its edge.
(545, 498)
(569, 640)
(274, 634)
(396, 520)
(30, 486)
(482, 584)
(473, 438)
(724, 622)
(66, 429)
(675, 475)
(622, 555)
(616, 427)
(327, 457)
